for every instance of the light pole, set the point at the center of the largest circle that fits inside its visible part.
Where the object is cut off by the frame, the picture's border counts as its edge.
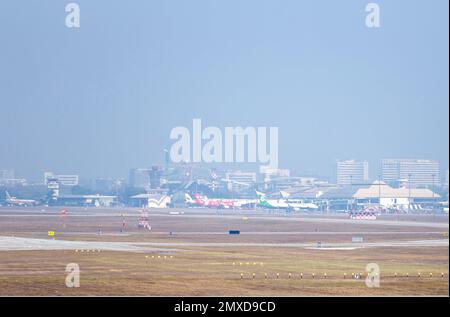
(433, 176)
(351, 188)
(432, 190)
(409, 193)
(379, 193)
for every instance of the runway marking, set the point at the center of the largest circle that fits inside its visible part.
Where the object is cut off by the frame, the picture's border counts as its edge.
(14, 243)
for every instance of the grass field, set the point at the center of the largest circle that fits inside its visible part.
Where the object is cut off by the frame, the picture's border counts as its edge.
(187, 268)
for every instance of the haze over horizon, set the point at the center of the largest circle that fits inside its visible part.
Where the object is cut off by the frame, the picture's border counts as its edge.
(103, 98)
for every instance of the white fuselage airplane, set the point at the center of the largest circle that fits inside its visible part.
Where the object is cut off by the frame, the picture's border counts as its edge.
(13, 201)
(285, 203)
(301, 205)
(297, 205)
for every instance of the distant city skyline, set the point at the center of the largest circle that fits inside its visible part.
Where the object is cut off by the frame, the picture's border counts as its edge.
(101, 99)
(353, 171)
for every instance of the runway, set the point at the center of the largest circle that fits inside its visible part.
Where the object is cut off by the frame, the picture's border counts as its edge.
(17, 244)
(30, 244)
(377, 222)
(313, 233)
(208, 214)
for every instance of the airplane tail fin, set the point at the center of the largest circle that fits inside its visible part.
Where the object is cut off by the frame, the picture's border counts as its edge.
(200, 198)
(261, 196)
(8, 196)
(284, 194)
(188, 198)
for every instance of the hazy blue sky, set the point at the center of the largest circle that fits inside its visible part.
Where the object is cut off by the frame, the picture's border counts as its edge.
(103, 98)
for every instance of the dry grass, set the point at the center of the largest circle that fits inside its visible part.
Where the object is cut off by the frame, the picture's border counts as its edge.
(210, 271)
(207, 272)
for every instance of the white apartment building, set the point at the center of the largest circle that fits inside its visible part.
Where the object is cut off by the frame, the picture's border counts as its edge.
(419, 173)
(352, 172)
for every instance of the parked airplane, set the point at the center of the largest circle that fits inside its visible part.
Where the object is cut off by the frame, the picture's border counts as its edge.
(13, 201)
(200, 201)
(204, 201)
(284, 203)
(298, 205)
(271, 203)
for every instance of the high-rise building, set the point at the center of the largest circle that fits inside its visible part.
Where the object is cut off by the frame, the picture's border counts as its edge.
(139, 177)
(65, 180)
(238, 180)
(419, 173)
(8, 177)
(446, 179)
(276, 178)
(352, 172)
(274, 172)
(106, 184)
(7, 174)
(155, 177)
